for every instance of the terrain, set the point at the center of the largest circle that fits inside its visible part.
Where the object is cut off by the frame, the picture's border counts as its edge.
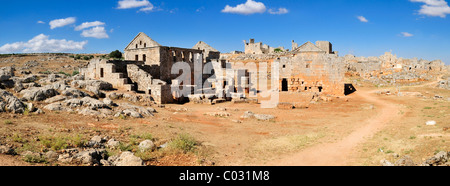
(364, 128)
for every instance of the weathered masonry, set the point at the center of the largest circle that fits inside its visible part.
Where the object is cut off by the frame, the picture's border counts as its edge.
(147, 67)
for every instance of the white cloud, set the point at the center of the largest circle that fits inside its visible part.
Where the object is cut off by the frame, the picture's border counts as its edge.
(41, 22)
(434, 8)
(42, 43)
(362, 19)
(62, 22)
(406, 34)
(249, 7)
(279, 11)
(96, 32)
(145, 5)
(89, 25)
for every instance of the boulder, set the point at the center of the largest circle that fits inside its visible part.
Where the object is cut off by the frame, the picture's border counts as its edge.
(115, 96)
(10, 103)
(247, 115)
(74, 93)
(386, 163)
(146, 146)
(96, 141)
(112, 144)
(90, 157)
(439, 159)
(264, 117)
(89, 112)
(51, 156)
(132, 113)
(108, 102)
(405, 161)
(93, 103)
(55, 99)
(73, 102)
(58, 106)
(38, 93)
(6, 150)
(6, 73)
(128, 159)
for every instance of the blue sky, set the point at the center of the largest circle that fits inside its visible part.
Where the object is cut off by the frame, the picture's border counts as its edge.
(408, 28)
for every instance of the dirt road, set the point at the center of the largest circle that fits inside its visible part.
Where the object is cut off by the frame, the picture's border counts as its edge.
(340, 153)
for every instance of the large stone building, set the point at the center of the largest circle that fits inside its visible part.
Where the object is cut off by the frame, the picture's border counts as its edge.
(312, 68)
(147, 68)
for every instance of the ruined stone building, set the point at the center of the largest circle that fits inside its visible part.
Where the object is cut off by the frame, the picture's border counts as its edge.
(147, 67)
(320, 47)
(390, 68)
(259, 48)
(312, 68)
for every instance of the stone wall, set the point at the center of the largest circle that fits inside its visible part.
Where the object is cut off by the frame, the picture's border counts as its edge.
(322, 73)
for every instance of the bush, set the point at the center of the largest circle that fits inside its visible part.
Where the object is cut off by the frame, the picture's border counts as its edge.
(184, 142)
(8, 122)
(60, 143)
(35, 159)
(116, 54)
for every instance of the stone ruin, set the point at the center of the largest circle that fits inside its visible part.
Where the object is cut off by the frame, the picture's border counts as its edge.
(308, 68)
(147, 69)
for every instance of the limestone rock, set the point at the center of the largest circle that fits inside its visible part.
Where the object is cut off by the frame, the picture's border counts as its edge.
(405, 161)
(146, 145)
(74, 93)
(128, 159)
(38, 93)
(10, 103)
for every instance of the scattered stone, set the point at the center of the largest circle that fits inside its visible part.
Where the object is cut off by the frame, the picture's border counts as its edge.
(38, 93)
(55, 99)
(96, 141)
(405, 161)
(431, 123)
(440, 158)
(112, 144)
(386, 163)
(218, 114)
(10, 103)
(90, 157)
(74, 93)
(51, 156)
(264, 117)
(115, 96)
(6, 150)
(108, 102)
(247, 115)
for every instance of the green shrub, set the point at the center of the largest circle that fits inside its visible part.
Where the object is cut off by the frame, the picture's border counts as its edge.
(116, 54)
(8, 122)
(76, 72)
(184, 142)
(35, 159)
(60, 143)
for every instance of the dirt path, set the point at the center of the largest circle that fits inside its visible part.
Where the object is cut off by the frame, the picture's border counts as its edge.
(340, 153)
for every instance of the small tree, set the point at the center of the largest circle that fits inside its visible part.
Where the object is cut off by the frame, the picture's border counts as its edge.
(278, 50)
(116, 54)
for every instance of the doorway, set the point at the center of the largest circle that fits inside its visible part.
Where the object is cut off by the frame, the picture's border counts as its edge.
(284, 85)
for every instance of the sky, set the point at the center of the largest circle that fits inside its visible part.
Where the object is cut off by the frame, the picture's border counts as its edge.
(407, 28)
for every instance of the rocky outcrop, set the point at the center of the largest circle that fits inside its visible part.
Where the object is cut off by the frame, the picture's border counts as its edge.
(38, 93)
(10, 103)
